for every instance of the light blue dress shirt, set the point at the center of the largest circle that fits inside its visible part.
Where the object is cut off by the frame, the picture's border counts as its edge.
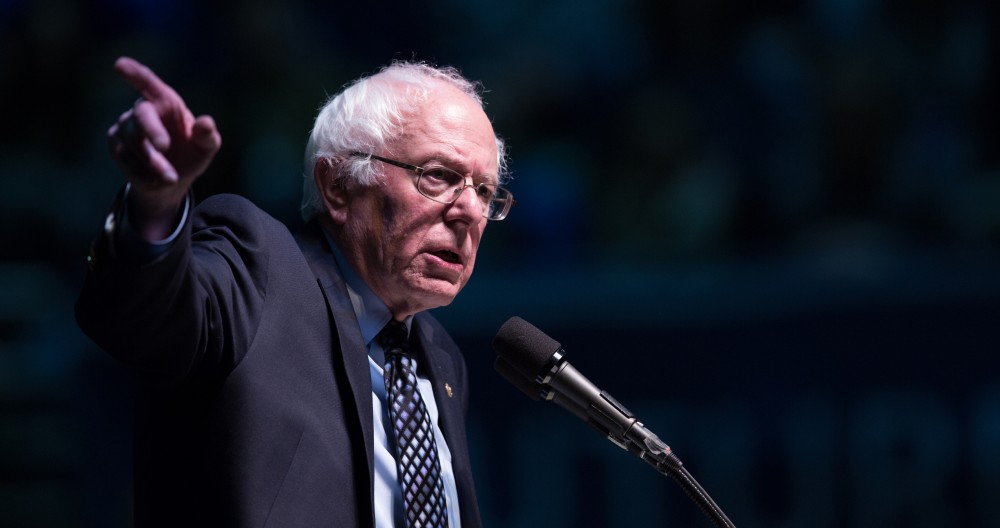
(372, 315)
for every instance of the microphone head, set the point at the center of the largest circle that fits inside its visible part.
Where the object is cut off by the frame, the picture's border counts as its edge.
(527, 349)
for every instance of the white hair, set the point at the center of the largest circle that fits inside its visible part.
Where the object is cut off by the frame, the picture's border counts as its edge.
(367, 115)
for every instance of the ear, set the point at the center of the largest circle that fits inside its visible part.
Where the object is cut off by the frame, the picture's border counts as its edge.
(332, 189)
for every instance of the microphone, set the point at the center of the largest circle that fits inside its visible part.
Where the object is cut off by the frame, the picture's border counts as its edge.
(536, 391)
(533, 362)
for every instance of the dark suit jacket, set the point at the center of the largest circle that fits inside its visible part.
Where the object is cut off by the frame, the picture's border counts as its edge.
(254, 396)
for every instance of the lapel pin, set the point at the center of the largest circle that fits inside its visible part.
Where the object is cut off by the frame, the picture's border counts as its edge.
(447, 389)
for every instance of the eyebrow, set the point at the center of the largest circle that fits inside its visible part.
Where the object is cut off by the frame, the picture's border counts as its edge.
(452, 163)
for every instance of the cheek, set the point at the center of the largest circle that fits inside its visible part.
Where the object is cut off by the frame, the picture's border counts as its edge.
(401, 232)
(468, 269)
(476, 237)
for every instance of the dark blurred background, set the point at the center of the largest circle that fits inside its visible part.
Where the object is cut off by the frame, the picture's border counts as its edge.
(771, 229)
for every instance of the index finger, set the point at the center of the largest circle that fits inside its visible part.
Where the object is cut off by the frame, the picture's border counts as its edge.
(144, 80)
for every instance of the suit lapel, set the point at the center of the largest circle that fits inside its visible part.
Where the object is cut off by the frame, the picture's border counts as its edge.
(353, 352)
(439, 366)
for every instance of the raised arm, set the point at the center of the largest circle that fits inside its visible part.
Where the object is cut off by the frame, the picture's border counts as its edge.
(161, 148)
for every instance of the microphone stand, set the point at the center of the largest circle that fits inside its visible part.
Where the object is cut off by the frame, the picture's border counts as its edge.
(647, 446)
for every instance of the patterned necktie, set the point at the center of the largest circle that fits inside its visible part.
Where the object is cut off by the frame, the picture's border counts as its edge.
(416, 451)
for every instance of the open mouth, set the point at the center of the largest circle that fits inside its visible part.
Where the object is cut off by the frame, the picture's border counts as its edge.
(448, 256)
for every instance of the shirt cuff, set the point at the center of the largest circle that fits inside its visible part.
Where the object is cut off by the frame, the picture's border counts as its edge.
(136, 248)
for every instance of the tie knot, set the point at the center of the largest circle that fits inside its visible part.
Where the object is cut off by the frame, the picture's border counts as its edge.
(393, 338)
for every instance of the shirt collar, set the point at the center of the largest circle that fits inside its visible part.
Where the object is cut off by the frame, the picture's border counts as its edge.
(371, 311)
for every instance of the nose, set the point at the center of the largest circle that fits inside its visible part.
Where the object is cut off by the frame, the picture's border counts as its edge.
(467, 204)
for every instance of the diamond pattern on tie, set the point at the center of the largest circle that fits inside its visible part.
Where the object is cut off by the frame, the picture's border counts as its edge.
(416, 451)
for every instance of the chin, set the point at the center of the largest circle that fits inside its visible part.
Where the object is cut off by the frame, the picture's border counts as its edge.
(435, 297)
(441, 300)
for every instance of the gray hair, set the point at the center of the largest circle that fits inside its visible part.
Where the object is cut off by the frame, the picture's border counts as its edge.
(368, 114)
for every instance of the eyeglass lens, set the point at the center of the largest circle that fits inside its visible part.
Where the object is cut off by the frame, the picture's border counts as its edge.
(441, 183)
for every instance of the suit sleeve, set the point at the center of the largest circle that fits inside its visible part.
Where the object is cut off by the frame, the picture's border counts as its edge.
(191, 312)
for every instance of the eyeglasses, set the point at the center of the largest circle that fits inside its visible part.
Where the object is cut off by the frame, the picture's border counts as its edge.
(444, 185)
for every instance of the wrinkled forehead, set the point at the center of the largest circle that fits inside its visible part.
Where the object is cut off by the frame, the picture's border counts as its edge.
(451, 127)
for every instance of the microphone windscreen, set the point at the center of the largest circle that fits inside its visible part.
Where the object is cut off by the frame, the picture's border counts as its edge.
(527, 349)
(530, 387)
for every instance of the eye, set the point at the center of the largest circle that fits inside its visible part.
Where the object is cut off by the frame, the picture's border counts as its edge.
(439, 183)
(485, 191)
(441, 175)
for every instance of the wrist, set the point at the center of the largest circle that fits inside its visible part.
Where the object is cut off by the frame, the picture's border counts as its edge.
(153, 215)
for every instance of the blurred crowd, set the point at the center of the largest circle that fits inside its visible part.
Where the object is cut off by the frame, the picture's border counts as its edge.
(859, 136)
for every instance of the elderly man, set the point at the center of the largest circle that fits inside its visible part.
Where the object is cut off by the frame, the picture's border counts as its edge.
(298, 380)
